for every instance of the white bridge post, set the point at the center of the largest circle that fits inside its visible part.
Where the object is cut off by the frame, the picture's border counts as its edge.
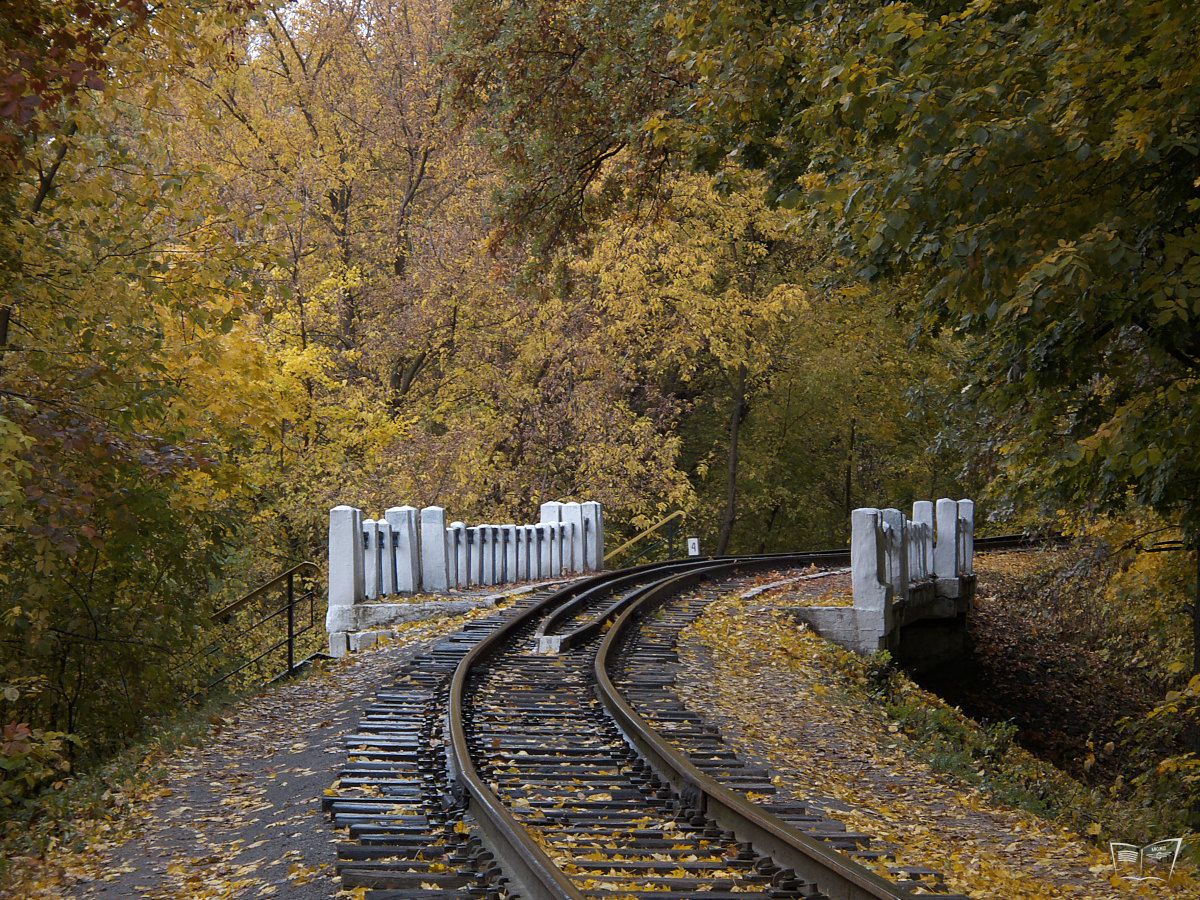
(551, 517)
(346, 572)
(946, 564)
(593, 514)
(403, 520)
(475, 536)
(966, 517)
(487, 556)
(566, 544)
(897, 552)
(370, 560)
(545, 551)
(510, 554)
(572, 516)
(923, 515)
(462, 558)
(434, 573)
(529, 551)
(387, 556)
(869, 579)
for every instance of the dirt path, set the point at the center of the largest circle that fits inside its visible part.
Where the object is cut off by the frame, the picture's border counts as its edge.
(240, 815)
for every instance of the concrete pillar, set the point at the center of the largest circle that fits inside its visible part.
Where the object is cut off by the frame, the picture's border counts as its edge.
(478, 544)
(403, 520)
(923, 515)
(872, 593)
(500, 548)
(593, 514)
(551, 511)
(897, 552)
(346, 575)
(545, 551)
(387, 556)
(572, 516)
(556, 563)
(921, 566)
(456, 552)
(434, 572)
(566, 540)
(529, 550)
(945, 548)
(966, 514)
(512, 554)
(487, 552)
(497, 554)
(462, 561)
(371, 566)
(868, 566)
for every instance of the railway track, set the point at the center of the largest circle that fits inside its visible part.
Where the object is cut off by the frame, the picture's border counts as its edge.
(541, 753)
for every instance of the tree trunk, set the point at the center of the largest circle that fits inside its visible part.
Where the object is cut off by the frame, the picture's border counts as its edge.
(1193, 728)
(1196, 616)
(848, 495)
(736, 414)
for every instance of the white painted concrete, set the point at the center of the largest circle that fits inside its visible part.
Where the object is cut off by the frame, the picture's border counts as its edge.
(434, 572)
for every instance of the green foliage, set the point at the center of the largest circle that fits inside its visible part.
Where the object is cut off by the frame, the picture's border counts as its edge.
(1101, 624)
(978, 755)
(1035, 165)
(30, 760)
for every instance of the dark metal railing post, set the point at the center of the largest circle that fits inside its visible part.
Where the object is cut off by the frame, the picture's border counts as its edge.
(671, 531)
(291, 619)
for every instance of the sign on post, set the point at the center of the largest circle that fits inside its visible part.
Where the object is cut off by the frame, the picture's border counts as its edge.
(694, 546)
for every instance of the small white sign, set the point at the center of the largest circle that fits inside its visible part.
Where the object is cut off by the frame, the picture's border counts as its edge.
(693, 546)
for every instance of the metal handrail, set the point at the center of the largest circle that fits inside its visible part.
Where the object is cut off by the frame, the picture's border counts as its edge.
(678, 514)
(229, 609)
(285, 580)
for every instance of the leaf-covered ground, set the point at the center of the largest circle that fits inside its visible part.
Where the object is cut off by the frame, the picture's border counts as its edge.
(238, 814)
(807, 710)
(1032, 667)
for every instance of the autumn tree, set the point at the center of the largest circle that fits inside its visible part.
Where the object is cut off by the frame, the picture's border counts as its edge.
(1037, 167)
(566, 87)
(788, 378)
(123, 287)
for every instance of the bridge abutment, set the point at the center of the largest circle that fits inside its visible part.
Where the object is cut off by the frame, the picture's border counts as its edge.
(912, 580)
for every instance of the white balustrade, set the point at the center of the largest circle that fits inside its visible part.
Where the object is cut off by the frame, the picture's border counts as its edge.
(410, 550)
(912, 553)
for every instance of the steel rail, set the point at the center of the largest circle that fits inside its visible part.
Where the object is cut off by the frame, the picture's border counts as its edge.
(619, 579)
(527, 863)
(524, 860)
(838, 877)
(585, 632)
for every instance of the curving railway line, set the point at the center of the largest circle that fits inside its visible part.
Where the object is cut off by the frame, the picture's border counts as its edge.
(542, 753)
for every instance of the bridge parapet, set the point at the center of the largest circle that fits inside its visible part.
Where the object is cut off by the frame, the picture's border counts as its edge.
(411, 551)
(903, 570)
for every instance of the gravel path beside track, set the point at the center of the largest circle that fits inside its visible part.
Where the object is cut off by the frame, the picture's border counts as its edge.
(240, 815)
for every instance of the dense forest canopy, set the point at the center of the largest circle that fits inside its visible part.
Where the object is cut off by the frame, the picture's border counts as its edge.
(762, 262)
